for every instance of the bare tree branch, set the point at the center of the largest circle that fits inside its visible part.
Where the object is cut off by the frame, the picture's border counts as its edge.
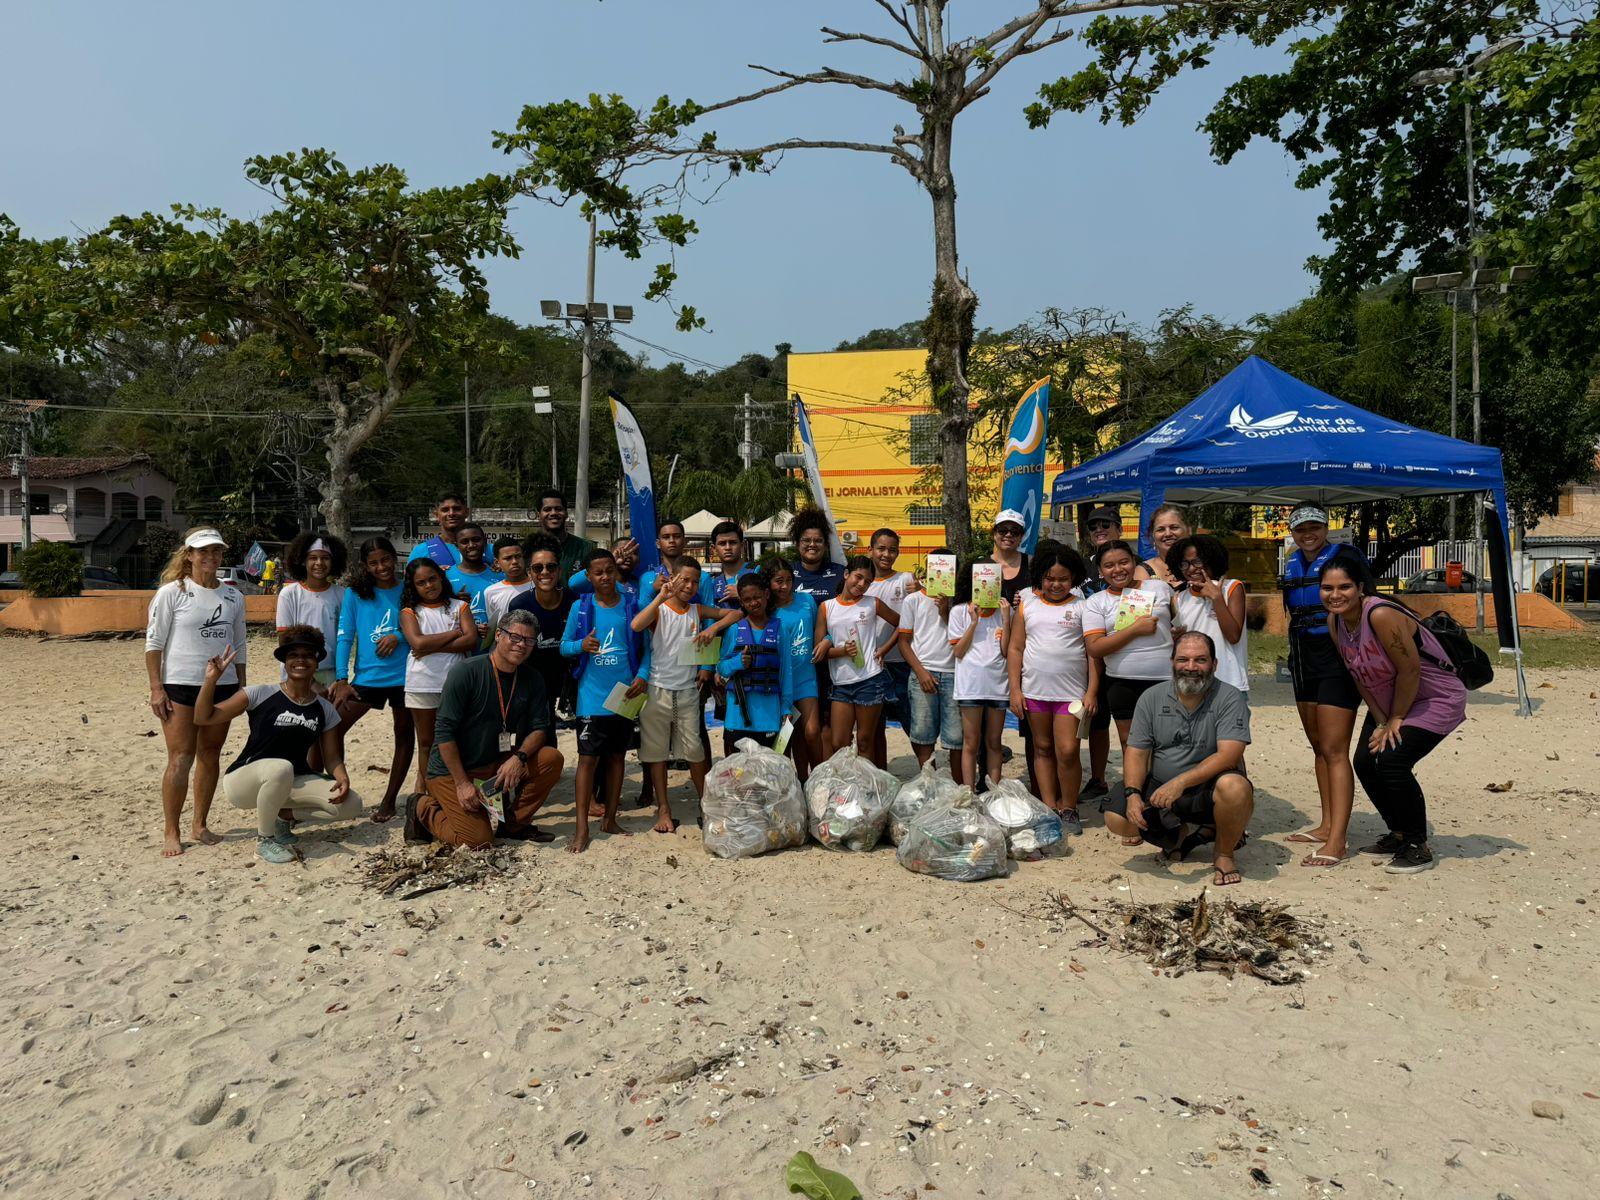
(839, 35)
(910, 162)
(898, 15)
(830, 75)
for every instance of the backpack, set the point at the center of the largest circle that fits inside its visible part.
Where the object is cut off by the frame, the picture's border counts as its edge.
(1466, 660)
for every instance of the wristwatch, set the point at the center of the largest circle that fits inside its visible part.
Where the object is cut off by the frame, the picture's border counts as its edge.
(1133, 789)
(521, 756)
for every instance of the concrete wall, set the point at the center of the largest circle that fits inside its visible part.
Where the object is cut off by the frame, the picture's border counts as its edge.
(101, 612)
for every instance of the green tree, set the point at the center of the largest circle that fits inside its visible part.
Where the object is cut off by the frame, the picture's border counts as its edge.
(595, 151)
(358, 280)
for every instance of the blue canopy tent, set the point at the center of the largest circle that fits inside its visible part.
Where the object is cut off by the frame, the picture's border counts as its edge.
(1260, 436)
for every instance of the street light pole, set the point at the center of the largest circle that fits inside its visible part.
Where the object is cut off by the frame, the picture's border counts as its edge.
(466, 419)
(1454, 377)
(580, 491)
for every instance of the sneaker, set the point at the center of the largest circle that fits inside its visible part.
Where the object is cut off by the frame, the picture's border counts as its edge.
(1095, 789)
(1411, 858)
(1071, 822)
(284, 833)
(273, 851)
(1387, 846)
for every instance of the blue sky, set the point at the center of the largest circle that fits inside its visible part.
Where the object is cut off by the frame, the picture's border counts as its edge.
(123, 107)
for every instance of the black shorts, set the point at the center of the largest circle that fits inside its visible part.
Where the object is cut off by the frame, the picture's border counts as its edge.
(1102, 709)
(378, 697)
(1121, 695)
(605, 736)
(1319, 673)
(1197, 806)
(186, 694)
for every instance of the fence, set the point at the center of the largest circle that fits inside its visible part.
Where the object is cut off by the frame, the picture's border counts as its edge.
(1472, 555)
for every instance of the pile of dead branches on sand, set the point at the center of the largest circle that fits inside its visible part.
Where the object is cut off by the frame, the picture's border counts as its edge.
(1233, 937)
(412, 871)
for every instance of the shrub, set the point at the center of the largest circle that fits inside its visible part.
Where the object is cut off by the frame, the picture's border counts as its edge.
(50, 569)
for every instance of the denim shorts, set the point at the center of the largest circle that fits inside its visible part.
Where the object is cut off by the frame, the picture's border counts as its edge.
(934, 715)
(865, 694)
(982, 704)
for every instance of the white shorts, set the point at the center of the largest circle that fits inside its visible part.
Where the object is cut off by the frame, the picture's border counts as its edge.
(423, 699)
(669, 726)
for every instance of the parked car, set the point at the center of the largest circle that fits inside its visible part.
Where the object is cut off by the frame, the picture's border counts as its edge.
(1434, 581)
(237, 577)
(95, 579)
(1572, 591)
(100, 579)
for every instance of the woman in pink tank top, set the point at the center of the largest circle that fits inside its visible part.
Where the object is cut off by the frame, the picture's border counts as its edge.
(1414, 701)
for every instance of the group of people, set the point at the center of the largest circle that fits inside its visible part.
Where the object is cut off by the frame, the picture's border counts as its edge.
(481, 650)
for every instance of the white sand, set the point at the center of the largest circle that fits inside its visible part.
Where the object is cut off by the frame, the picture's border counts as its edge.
(216, 1027)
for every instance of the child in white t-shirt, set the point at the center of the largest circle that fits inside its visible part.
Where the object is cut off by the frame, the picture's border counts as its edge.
(925, 643)
(441, 632)
(978, 642)
(847, 639)
(1053, 680)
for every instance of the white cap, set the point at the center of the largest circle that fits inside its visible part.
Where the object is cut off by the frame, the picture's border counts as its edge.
(1010, 516)
(1306, 514)
(201, 538)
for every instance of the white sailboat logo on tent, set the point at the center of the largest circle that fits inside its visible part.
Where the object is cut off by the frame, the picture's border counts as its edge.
(1243, 422)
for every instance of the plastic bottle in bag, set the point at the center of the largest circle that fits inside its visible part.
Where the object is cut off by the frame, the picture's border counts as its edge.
(926, 786)
(1032, 830)
(752, 804)
(951, 837)
(847, 800)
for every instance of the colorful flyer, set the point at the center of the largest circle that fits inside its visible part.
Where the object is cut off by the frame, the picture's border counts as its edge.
(494, 800)
(1130, 607)
(691, 654)
(619, 703)
(986, 585)
(941, 579)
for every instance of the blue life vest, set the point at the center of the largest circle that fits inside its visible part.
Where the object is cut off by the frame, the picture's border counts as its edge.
(585, 626)
(761, 676)
(1302, 589)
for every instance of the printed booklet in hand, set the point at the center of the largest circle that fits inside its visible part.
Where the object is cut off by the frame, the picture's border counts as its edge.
(986, 585)
(619, 703)
(941, 579)
(1130, 607)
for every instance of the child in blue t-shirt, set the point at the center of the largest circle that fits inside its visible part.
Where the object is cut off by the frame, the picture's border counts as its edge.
(599, 636)
(756, 664)
(472, 576)
(369, 629)
(797, 613)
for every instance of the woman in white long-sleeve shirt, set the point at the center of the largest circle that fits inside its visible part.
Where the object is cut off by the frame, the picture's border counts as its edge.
(193, 618)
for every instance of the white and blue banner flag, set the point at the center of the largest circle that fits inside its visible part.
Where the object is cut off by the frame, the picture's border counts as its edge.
(636, 477)
(808, 448)
(1022, 472)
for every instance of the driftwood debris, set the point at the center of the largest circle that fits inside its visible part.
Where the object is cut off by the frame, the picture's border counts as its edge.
(1233, 937)
(414, 871)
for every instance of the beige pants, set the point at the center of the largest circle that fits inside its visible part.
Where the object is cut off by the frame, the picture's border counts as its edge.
(269, 784)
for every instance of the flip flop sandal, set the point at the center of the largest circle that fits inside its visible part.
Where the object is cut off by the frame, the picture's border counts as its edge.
(1320, 860)
(1220, 878)
(1305, 839)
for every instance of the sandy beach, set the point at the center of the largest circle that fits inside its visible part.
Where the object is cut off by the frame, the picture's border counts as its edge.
(644, 1021)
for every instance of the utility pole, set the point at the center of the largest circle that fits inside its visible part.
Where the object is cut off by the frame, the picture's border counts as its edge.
(22, 476)
(543, 407)
(1454, 376)
(466, 418)
(588, 315)
(747, 449)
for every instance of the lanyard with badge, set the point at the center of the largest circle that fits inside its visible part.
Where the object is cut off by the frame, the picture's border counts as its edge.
(508, 740)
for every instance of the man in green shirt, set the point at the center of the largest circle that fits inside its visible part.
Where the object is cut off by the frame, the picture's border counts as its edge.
(493, 725)
(571, 549)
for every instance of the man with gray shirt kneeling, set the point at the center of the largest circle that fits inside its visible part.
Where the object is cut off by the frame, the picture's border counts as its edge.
(1183, 776)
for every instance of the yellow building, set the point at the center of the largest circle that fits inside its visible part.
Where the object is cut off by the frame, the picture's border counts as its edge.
(877, 441)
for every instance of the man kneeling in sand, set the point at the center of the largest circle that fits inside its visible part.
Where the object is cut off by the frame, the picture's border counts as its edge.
(491, 746)
(1183, 776)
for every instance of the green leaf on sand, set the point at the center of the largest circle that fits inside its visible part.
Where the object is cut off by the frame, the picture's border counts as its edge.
(803, 1175)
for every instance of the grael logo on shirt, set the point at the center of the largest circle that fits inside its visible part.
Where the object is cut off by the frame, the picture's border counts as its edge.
(797, 646)
(215, 626)
(609, 652)
(385, 628)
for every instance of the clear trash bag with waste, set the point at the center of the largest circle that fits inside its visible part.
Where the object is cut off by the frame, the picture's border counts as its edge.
(753, 804)
(847, 801)
(952, 837)
(916, 794)
(1032, 830)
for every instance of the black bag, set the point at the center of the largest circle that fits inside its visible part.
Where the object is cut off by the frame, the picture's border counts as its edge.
(1466, 659)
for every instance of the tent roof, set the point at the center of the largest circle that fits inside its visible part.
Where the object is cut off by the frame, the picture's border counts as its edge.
(1261, 436)
(700, 524)
(775, 526)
